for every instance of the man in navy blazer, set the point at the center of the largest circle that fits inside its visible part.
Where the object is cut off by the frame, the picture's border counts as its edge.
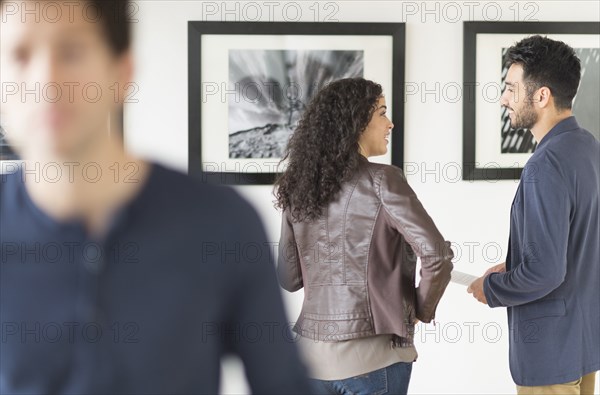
(551, 280)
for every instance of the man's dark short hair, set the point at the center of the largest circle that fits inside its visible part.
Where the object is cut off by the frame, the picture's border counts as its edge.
(548, 63)
(115, 20)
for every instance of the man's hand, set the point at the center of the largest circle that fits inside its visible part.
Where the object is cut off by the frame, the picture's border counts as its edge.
(500, 268)
(476, 288)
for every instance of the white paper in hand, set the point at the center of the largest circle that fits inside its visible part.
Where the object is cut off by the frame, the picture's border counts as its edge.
(462, 278)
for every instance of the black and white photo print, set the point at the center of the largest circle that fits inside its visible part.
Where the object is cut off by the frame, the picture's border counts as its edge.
(270, 90)
(6, 153)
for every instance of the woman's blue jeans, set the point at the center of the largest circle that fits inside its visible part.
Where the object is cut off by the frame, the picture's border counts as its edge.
(393, 379)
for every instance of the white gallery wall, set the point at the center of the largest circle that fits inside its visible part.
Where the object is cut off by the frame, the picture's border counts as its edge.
(466, 352)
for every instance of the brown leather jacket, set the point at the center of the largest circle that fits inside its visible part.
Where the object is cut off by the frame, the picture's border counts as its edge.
(357, 261)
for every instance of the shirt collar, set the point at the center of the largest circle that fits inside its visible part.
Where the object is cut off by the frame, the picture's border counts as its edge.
(118, 219)
(565, 125)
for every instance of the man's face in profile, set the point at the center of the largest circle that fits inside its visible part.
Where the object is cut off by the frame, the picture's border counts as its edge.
(516, 99)
(60, 78)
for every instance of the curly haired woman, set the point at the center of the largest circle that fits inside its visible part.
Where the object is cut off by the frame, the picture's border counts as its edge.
(351, 234)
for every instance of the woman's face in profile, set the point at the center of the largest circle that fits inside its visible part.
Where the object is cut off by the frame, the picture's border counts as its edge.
(374, 139)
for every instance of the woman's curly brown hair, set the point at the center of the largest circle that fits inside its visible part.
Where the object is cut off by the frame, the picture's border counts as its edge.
(323, 152)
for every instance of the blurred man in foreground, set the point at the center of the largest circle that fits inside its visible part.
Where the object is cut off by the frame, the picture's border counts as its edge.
(117, 275)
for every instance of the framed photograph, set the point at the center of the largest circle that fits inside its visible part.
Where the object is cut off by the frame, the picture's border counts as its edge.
(6, 152)
(8, 157)
(492, 150)
(250, 83)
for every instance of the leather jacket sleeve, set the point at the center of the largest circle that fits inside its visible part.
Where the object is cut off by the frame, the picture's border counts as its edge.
(412, 221)
(289, 273)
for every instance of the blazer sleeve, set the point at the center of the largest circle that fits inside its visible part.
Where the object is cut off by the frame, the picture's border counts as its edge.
(542, 264)
(412, 221)
(289, 273)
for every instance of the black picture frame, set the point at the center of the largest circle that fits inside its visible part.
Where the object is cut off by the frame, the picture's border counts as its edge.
(471, 169)
(196, 29)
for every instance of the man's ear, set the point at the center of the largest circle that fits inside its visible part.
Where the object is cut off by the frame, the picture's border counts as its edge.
(543, 97)
(124, 75)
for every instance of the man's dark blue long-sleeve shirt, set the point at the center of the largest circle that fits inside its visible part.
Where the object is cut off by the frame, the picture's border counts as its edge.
(183, 277)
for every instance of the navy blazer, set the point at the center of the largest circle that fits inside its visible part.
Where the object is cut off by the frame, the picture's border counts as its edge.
(552, 281)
